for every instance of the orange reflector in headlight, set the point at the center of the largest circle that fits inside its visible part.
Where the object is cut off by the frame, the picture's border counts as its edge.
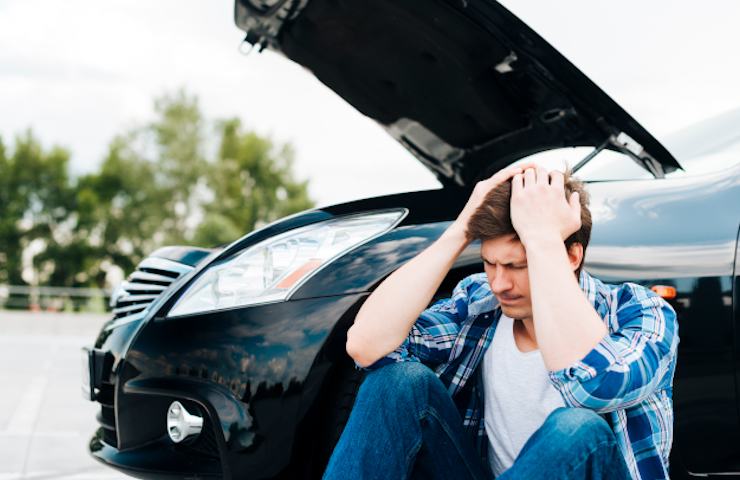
(664, 291)
(299, 273)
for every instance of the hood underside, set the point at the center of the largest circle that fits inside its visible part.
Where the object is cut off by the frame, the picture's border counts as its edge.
(465, 86)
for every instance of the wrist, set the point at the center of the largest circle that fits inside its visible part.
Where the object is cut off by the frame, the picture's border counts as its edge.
(541, 241)
(458, 233)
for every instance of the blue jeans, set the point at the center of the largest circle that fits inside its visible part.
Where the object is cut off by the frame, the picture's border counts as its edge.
(405, 426)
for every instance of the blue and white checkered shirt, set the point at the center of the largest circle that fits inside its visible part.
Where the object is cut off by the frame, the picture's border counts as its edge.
(628, 377)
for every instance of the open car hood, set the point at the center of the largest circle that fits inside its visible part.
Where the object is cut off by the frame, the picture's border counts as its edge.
(464, 85)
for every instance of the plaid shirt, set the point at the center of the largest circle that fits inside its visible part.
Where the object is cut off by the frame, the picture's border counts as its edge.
(627, 377)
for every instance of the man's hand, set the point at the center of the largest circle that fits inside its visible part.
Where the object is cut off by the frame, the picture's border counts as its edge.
(481, 190)
(539, 209)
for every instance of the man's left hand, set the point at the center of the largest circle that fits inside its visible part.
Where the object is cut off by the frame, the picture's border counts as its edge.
(539, 209)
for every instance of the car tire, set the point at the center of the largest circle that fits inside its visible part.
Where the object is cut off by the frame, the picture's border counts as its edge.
(344, 402)
(346, 382)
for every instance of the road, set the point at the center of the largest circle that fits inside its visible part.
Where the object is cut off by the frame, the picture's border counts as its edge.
(45, 425)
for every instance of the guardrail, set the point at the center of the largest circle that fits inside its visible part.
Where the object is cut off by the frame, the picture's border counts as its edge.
(54, 298)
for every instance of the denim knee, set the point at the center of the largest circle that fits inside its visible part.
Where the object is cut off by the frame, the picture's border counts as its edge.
(578, 427)
(402, 378)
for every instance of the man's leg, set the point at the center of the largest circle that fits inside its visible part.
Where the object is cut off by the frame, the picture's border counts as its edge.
(404, 420)
(573, 443)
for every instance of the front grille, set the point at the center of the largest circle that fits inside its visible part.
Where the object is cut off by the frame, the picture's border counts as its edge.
(152, 277)
(107, 417)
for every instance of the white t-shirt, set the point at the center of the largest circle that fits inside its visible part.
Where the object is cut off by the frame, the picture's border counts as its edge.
(518, 396)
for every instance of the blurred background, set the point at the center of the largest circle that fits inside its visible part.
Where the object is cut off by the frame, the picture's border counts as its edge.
(126, 126)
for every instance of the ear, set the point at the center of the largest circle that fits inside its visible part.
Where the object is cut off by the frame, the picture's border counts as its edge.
(575, 256)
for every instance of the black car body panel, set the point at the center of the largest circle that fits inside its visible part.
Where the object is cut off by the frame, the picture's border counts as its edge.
(703, 246)
(468, 88)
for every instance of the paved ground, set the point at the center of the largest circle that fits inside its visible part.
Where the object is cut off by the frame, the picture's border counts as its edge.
(45, 425)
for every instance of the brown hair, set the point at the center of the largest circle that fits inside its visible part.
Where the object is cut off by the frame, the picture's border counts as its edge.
(492, 219)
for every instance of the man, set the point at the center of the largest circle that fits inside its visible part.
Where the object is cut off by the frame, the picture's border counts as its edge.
(572, 386)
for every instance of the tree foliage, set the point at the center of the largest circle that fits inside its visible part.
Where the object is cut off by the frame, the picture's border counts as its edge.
(37, 205)
(253, 184)
(156, 186)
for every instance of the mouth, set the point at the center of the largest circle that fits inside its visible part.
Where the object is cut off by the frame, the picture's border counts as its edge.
(507, 300)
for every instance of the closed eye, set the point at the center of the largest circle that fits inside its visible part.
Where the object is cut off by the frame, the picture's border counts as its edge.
(513, 266)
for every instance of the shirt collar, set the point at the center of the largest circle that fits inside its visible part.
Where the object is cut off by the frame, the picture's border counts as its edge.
(484, 303)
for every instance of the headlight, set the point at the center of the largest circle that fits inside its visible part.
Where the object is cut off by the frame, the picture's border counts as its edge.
(273, 269)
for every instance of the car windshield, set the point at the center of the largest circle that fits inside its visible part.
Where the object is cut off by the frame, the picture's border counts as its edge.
(705, 147)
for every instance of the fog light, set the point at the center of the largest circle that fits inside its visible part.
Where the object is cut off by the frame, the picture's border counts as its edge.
(181, 424)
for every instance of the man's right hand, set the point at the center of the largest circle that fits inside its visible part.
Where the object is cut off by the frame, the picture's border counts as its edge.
(386, 317)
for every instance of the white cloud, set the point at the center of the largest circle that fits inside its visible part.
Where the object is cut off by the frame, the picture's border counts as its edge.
(669, 64)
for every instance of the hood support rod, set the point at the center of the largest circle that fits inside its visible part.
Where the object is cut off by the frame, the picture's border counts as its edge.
(648, 163)
(592, 154)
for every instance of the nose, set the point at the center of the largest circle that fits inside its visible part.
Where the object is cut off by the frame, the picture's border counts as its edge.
(500, 280)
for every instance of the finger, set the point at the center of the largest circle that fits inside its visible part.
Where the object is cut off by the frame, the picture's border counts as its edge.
(541, 175)
(517, 183)
(575, 206)
(557, 179)
(506, 174)
(525, 165)
(530, 177)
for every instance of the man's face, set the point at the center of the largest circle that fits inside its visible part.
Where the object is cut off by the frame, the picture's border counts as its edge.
(505, 262)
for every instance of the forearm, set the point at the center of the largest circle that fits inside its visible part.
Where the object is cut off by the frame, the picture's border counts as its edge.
(566, 325)
(385, 319)
(634, 361)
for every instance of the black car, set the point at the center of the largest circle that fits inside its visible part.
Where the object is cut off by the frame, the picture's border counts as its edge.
(231, 363)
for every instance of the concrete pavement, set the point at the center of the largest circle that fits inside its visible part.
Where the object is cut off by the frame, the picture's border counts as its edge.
(45, 425)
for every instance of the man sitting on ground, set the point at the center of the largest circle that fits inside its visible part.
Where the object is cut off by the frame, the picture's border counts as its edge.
(521, 374)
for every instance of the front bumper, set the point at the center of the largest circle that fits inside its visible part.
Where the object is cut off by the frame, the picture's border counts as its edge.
(155, 461)
(254, 375)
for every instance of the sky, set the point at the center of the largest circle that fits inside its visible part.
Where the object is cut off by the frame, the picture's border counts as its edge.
(78, 72)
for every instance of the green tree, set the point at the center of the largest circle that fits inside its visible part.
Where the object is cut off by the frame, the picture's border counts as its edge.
(120, 208)
(155, 187)
(179, 164)
(37, 206)
(253, 184)
(9, 217)
(143, 196)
